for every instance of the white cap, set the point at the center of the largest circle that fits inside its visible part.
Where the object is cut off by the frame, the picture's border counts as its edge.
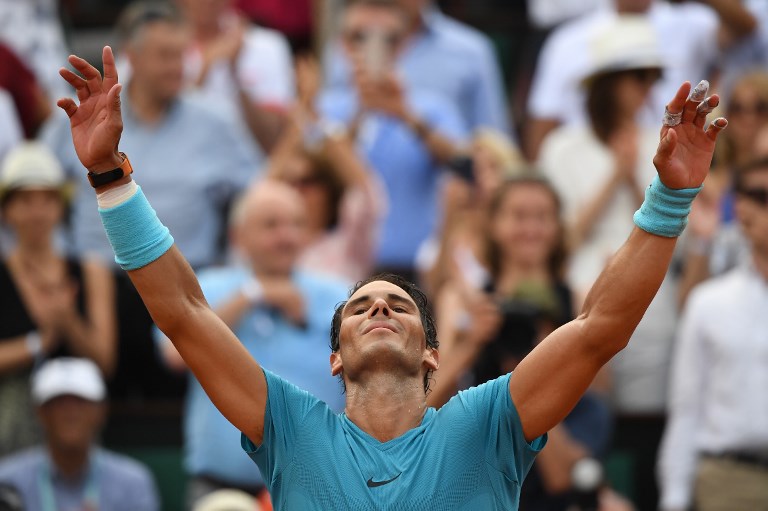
(68, 376)
(629, 42)
(31, 165)
(227, 500)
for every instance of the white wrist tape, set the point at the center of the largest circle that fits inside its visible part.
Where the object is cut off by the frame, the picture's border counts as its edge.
(117, 195)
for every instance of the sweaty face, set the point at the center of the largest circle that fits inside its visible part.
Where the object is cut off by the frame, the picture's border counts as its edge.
(156, 55)
(272, 231)
(526, 226)
(752, 209)
(381, 330)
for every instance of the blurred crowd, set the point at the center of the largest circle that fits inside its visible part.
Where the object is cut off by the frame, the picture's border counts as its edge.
(294, 148)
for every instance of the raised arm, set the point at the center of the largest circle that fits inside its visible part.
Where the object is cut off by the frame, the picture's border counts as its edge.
(230, 376)
(551, 379)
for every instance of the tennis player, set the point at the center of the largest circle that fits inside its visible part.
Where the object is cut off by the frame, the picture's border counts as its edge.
(388, 450)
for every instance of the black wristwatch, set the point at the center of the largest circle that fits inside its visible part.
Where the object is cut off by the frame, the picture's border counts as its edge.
(110, 176)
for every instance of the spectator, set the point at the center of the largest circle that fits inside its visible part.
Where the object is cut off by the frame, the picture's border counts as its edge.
(713, 455)
(193, 163)
(34, 31)
(32, 104)
(50, 304)
(459, 245)
(70, 471)
(713, 243)
(346, 199)
(555, 98)
(742, 55)
(10, 128)
(241, 68)
(488, 330)
(294, 18)
(600, 171)
(203, 162)
(403, 133)
(441, 55)
(547, 14)
(280, 313)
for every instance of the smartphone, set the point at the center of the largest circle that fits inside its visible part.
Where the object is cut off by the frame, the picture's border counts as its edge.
(375, 53)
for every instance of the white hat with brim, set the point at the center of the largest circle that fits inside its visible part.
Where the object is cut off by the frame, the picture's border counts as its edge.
(68, 377)
(32, 166)
(628, 43)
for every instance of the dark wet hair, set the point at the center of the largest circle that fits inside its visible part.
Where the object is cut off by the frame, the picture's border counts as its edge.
(416, 294)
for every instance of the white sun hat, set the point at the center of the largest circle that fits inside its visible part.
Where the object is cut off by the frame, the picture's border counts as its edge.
(629, 42)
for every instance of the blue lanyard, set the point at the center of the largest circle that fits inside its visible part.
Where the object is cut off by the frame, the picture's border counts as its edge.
(48, 499)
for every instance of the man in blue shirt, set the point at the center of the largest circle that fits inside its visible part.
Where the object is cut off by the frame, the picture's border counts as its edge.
(70, 471)
(388, 450)
(193, 160)
(443, 56)
(405, 132)
(279, 313)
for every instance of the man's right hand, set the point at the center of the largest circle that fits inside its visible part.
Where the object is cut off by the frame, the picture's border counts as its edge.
(96, 123)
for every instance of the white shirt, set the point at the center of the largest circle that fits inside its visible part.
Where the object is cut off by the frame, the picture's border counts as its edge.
(719, 392)
(264, 71)
(578, 166)
(687, 35)
(548, 13)
(32, 28)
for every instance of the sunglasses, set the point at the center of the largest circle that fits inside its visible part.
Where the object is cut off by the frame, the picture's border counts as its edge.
(759, 195)
(759, 108)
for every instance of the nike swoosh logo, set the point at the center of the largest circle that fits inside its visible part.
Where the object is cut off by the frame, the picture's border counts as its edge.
(373, 484)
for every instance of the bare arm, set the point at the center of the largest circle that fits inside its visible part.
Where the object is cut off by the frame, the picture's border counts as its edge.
(550, 380)
(734, 17)
(536, 132)
(95, 337)
(230, 376)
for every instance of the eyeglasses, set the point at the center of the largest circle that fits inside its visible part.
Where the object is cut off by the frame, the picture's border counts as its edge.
(759, 195)
(759, 108)
(358, 37)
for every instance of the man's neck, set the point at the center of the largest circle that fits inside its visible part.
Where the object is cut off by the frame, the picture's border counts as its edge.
(145, 106)
(70, 463)
(386, 406)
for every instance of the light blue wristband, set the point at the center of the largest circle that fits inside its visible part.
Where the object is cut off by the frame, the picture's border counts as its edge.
(136, 234)
(664, 211)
